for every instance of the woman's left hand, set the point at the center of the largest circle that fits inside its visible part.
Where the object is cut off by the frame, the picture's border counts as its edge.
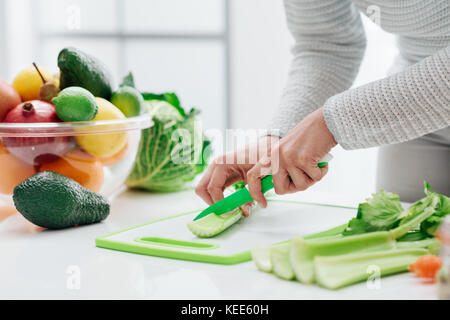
(293, 162)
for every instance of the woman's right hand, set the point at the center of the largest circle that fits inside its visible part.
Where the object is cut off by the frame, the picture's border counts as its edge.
(232, 167)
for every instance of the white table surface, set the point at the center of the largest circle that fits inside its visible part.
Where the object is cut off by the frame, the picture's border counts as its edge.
(65, 264)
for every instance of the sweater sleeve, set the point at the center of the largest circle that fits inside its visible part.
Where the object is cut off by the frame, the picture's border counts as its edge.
(329, 46)
(395, 109)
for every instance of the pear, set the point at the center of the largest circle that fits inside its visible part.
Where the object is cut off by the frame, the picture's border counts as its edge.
(48, 89)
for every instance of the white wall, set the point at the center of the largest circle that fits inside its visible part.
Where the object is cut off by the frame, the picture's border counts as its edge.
(19, 36)
(261, 57)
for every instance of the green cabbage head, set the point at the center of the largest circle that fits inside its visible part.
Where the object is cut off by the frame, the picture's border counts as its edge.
(173, 151)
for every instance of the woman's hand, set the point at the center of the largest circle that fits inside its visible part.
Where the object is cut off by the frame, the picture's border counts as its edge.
(293, 162)
(231, 168)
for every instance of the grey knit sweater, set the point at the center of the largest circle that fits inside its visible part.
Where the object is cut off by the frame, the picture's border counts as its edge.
(329, 46)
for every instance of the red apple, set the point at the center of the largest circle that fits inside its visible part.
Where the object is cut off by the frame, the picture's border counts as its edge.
(35, 150)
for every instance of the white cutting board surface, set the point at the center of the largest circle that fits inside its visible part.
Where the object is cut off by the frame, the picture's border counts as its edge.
(280, 221)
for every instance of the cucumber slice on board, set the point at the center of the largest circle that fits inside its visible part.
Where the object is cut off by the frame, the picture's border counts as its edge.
(343, 270)
(279, 257)
(213, 224)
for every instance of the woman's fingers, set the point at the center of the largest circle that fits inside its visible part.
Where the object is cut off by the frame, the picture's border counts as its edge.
(281, 181)
(254, 176)
(246, 208)
(299, 180)
(201, 189)
(310, 167)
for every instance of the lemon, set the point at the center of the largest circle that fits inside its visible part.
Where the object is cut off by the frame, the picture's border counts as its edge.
(104, 145)
(28, 82)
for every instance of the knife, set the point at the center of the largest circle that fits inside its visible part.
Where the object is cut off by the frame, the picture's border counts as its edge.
(243, 196)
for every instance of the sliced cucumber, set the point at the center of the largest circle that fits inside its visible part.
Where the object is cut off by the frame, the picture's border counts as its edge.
(213, 224)
(279, 257)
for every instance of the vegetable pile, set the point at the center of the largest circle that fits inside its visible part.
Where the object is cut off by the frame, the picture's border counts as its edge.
(382, 236)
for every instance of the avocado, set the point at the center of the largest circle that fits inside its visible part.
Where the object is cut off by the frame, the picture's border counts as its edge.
(51, 200)
(83, 70)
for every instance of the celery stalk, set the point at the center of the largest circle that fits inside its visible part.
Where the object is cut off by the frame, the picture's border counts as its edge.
(303, 251)
(431, 244)
(261, 254)
(343, 270)
(279, 257)
(214, 224)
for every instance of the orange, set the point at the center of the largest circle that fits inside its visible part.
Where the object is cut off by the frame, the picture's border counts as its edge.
(115, 158)
(12, 171)
(79, 166)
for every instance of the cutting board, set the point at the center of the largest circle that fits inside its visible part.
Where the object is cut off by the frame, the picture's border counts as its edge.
(280, 221)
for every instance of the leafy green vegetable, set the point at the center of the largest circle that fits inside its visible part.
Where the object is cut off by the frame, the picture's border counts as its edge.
(172, 152)
(169, 97)
(384, 212)
(431, 225)
(379, 213)
(128, 80)
(412, 217)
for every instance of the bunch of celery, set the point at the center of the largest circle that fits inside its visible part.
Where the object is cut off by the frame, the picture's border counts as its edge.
(381, 236)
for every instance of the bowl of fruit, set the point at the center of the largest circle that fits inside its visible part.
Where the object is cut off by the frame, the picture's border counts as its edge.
(75, 124)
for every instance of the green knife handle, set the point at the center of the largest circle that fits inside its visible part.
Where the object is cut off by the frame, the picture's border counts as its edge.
(266, 183)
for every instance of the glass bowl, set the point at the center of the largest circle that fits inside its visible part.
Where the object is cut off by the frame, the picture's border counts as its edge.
(97, 154)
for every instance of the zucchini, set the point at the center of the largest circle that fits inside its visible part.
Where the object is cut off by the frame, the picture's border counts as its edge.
(213, 224)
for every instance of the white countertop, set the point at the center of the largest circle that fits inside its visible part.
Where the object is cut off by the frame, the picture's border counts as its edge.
(65, 264)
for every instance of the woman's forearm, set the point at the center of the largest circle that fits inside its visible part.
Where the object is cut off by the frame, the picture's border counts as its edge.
(402, 107)
(329, 46)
